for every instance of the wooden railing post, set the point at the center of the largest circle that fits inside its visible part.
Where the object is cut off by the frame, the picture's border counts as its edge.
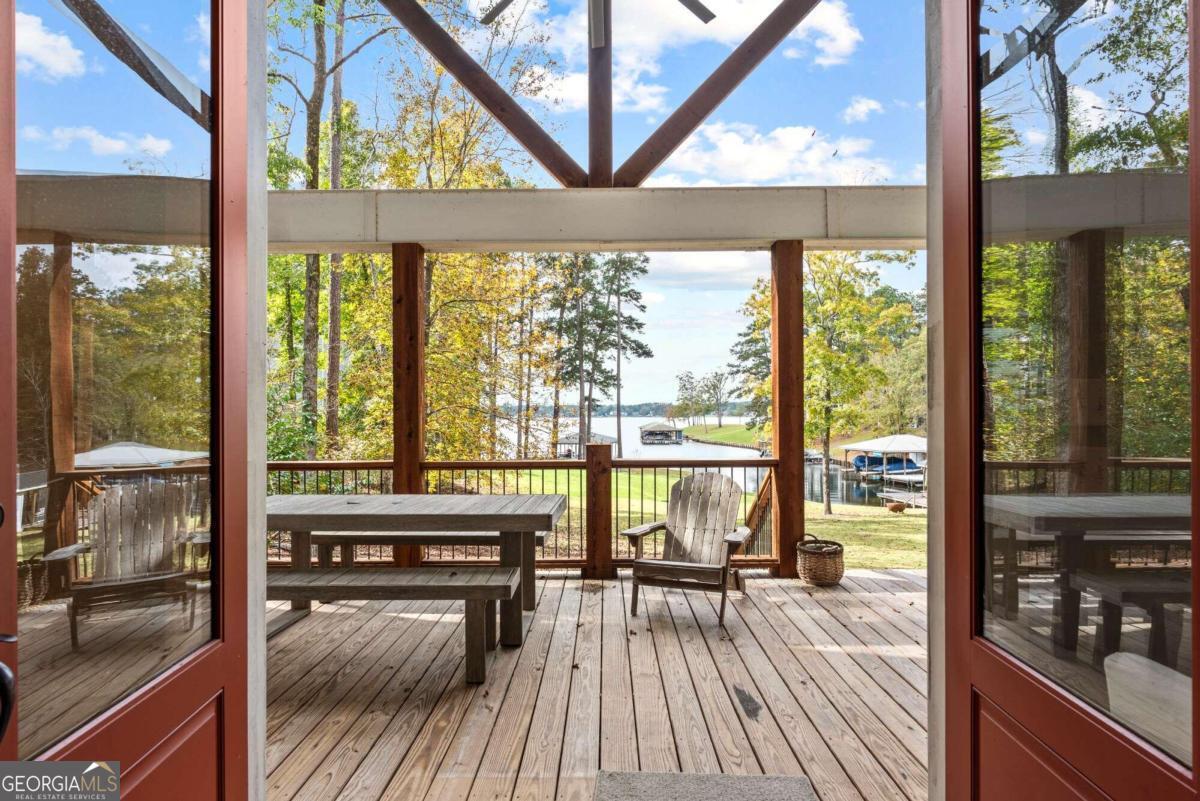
(598, 533)
(408, 379)
(787, 400)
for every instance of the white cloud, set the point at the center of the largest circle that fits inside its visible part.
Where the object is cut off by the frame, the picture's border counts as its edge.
(645, 34)
(1035, 136)
(201, 31)
(1091, 108)
(860, 109)
(44, 54)
(833, 31)
(653, 298)
(62, 137)
(733, 153)
(153, 145)
(708, 270)
(918, 173)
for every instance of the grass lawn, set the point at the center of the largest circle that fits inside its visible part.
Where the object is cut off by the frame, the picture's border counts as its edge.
(873, 536)
(736, 434)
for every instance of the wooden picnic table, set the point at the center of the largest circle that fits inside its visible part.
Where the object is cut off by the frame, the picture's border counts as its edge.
(1083, 528)
(516, 518)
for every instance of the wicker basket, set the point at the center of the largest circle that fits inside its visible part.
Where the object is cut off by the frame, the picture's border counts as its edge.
(39, 579)
(24, 584)
(820, 562)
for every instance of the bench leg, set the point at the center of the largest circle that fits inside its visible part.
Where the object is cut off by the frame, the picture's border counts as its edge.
(476, 626)
(489, 627)
(348, 555)
(301, 560)
(325, 556)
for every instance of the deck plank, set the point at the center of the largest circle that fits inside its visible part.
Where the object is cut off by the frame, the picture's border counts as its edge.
(382, 711)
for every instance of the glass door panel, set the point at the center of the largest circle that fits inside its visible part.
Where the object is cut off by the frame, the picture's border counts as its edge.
(1086, 379)
(114, 351)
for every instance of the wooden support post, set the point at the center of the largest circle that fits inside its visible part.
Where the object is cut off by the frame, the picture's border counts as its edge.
(1087, 361)
(787, 401)
(598, 533)
(408, 379)
(60, 507)
(600, 130)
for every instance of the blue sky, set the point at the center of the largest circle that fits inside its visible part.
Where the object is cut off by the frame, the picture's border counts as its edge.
(840, 102)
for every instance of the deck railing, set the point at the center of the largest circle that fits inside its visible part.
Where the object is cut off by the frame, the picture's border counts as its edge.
(636, 492)
(1143, 475)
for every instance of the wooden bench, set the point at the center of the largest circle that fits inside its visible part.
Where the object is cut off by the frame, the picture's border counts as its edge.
(346, 540)
(478, 587)
(1153, 589)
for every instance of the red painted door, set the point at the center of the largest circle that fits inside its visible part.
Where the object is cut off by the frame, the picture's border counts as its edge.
(122, 363)
(1070, 310)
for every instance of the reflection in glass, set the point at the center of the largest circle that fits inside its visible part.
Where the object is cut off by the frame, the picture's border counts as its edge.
(1085, 345)
(114, 323)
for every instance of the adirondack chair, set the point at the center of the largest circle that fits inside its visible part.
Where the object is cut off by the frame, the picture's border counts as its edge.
(700, 538)
(136, 534)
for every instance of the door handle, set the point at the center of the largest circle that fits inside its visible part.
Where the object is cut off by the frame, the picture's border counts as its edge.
(7, 698)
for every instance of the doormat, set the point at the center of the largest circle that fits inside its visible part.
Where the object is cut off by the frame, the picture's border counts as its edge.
(613, 786)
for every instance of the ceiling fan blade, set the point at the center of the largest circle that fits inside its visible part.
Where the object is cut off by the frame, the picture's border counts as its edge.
(495, 11)
(699, 9)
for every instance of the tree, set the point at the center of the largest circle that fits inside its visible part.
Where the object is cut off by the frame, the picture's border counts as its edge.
(844, 325)
(311, 20)
(715, 389)
(751, 364)
(897, 402)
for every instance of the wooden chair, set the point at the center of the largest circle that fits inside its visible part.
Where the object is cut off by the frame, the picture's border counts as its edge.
(700, 538)
(136, 539)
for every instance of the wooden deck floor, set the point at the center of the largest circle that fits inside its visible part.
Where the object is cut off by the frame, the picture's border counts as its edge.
(367, 700)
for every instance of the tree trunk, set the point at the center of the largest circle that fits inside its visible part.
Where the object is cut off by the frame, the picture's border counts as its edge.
(620, 443)
(312, 261)
(583, 432)
(333, 377)
(529, 386)
(86, 382)
(826, 497)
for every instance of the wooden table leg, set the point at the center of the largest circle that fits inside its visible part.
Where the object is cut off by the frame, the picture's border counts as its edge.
(1011, 588)
(489, 627)
(528, 579)
(1109, 639)
(302, 560)
(1158, 633)
(512, 621)
(1067, 634)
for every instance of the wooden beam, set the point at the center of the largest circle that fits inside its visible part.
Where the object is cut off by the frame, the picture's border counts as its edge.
(59, 528)
(710, 94)
(499, 103)
(787, 400)
(598, 532)
(408, 379)
(600, 105)
(1087, 359)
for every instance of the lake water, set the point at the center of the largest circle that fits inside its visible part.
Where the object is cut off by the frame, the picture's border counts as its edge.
(843, 491)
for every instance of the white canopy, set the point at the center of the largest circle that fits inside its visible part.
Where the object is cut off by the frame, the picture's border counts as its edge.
(133, 454)
(896, 443)
(658, 426)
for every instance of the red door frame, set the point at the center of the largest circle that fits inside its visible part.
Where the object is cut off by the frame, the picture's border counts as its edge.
(157, 725)
(1115, 761)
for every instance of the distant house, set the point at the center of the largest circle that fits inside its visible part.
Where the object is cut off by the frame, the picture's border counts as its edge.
(661, 434)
